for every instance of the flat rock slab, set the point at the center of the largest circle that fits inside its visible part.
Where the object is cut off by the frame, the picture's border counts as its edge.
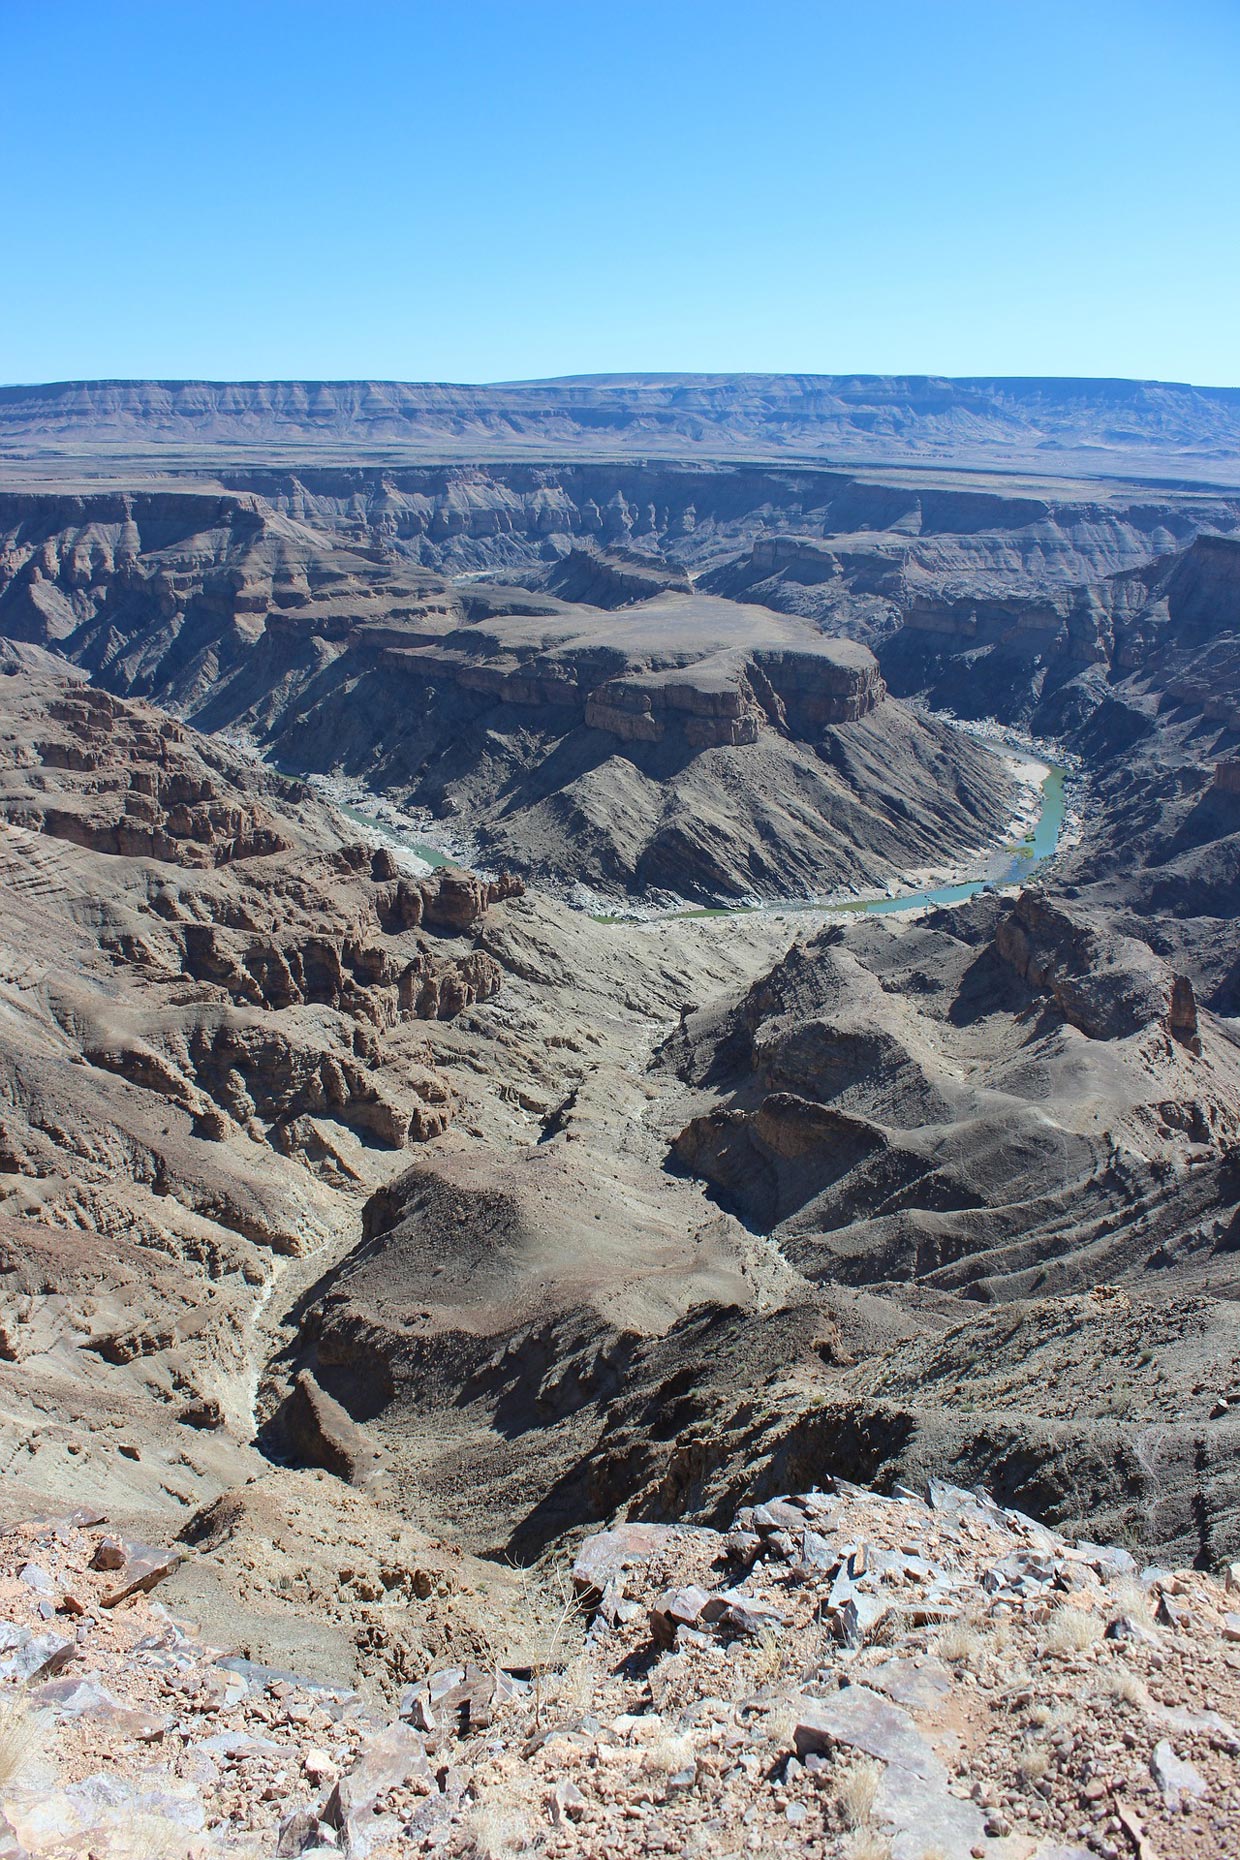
(143, 1571)
(916, 1685)
(924, 1817)
(608, 1554)
(391, 1758)
(1175, 1777)
(236, 1746)
(859, 1719)
(258, 1677)
(87, 1698)
(27, 1656)
(913, 1799)
(104, 1810)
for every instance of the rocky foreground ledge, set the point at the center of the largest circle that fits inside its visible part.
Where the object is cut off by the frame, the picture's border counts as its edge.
(877, 1678)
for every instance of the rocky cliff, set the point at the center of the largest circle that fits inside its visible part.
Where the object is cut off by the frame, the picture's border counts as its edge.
(680, 746)
(1068, 425)
(570, 738)
(214, 1042)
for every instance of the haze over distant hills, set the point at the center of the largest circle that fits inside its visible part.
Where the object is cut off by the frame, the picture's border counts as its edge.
(1056, 426)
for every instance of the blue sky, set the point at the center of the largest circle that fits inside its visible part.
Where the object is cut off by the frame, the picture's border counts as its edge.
(498, 191)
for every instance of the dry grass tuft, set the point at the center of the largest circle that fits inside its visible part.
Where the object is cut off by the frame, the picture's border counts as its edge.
(1071, 1630)
(1124, 1686)
(572, 1689)
(856, 1791)
(962, 1642)
(499, 1831)
(666, 1755)
(674, 1683)
(21, 1738)
(781, 1724)
(1032, 1764)
(151, 1837)
(560, 1613)
(769, 1659)
(1129, 1598)
(867, 1845)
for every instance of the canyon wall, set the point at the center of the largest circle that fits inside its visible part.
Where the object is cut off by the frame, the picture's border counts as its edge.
(1054, 425)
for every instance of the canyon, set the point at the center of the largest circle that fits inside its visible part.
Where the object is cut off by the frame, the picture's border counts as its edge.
(455, 1099)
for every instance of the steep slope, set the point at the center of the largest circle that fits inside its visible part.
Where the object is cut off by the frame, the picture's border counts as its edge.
(1013, 1122)
(1047, 657)
(680, 747)
(213, 1045)
(1140, 674)
(950, 527)
(972, 1207)
(214, 603)
(677, 746)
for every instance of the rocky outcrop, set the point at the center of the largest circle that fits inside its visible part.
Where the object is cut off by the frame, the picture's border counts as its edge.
(450, 900)
(372, 980)
(799, 692)
(230, 1047)
(319, 1432)
(609, 578)
(127, 782)
(1109, 986)
(1182, 1021)
(916, 1603)
(844, 1123)
(770, 1161)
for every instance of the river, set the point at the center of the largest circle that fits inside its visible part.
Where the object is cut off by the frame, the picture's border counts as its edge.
(1012, 864)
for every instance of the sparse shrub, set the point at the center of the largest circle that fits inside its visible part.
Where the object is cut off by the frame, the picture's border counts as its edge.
(1071, 1630)
(1032, 1764)
(498, 1831)
(856, 1791)
(20, 1738)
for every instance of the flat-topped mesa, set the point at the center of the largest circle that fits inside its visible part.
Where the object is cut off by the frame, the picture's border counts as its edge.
(730, 697)
(677, 668)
